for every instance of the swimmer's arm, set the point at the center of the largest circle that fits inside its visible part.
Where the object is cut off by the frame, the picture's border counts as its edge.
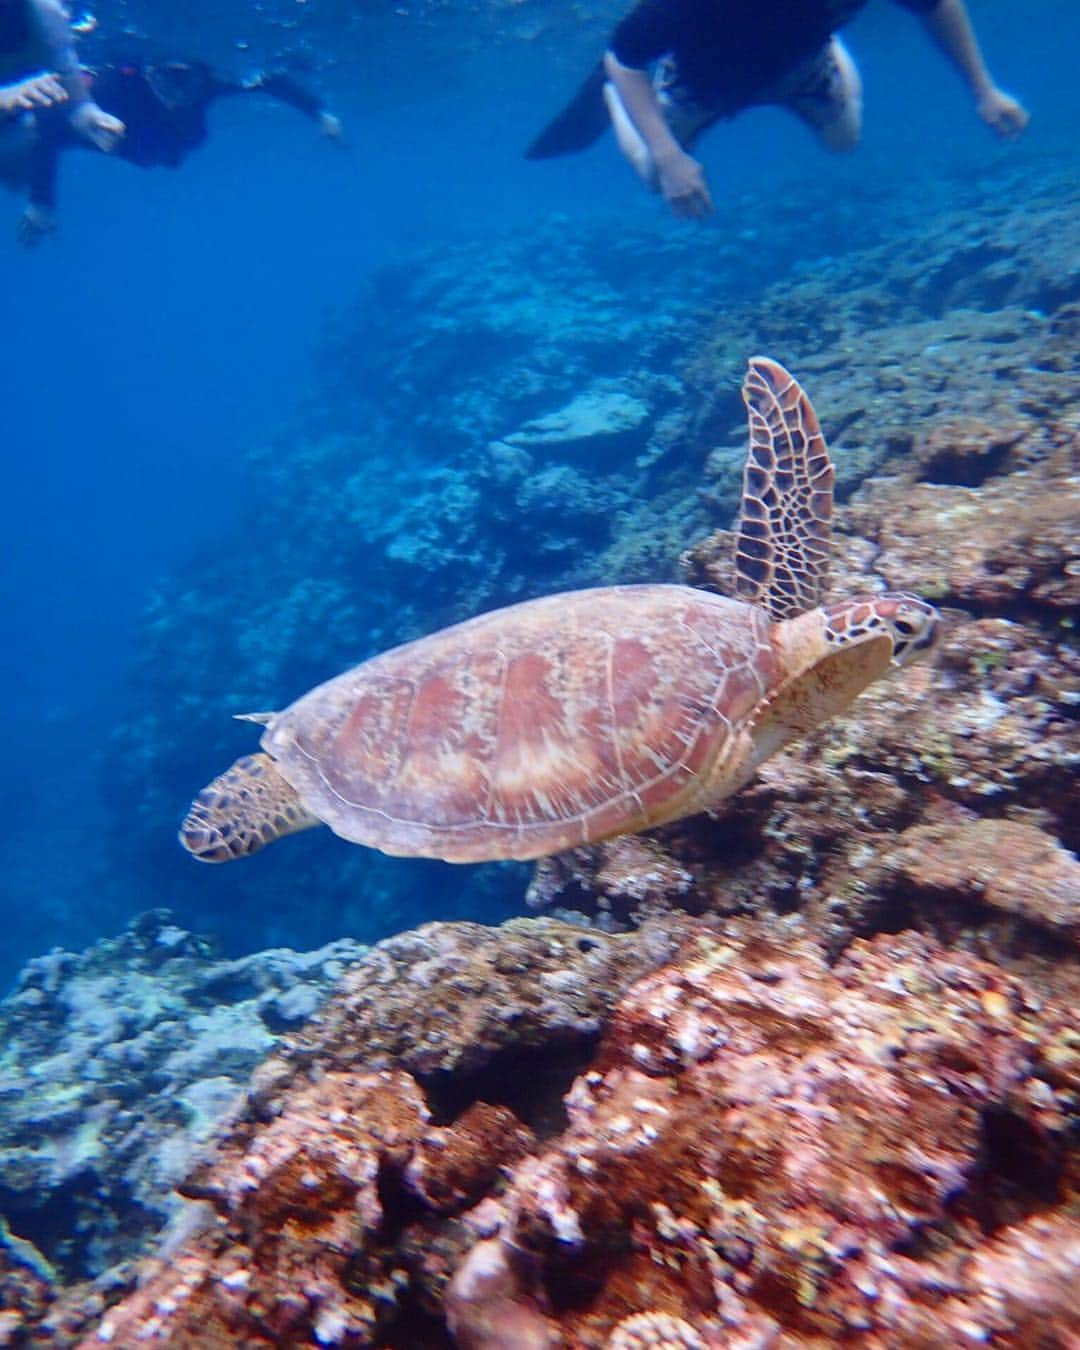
(636, 90)
(949, 24)
(681, 177)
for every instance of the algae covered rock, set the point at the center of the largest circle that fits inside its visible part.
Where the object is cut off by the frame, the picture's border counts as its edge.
(756, 1145)
(119, 1063)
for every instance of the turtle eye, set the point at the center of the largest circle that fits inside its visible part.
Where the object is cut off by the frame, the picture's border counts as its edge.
(914, 634)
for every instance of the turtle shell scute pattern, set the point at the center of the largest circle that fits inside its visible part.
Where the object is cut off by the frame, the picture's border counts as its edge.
(531, 729)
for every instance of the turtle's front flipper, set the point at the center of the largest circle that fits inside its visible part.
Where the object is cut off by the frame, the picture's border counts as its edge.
(242, 810)
(782, 547)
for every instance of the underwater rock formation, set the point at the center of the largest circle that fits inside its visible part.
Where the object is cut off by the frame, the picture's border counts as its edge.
(770, 1149)
(116, 1066)
(758, 1149)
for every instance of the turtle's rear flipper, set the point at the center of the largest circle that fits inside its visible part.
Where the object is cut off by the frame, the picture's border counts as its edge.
(583, 121)
(242, 810)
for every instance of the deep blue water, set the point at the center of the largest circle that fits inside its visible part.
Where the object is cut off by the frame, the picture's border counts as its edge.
(171, 324)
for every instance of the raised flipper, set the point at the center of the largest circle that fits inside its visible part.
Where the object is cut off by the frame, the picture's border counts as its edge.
(583, 121)
(782, 546)
(241, 811)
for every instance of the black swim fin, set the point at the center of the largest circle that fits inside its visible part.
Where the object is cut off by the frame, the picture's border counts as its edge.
(583, 121)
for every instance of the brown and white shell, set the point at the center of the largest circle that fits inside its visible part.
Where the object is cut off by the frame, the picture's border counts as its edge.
(533, 729)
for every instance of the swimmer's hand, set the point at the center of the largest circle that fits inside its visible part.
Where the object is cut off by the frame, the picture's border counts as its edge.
(36, 223)
(1004, 115)
(39, 91)
(331, 127)
(97, 126)
(682, 181)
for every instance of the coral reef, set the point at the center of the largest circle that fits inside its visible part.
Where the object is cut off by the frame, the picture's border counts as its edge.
(778, 1151)
(117, 1065)
(493, 994)
(759, 1149)
(1007, 865)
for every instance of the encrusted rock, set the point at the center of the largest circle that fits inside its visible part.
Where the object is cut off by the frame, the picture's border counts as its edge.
(118, 1063)
(1008, 865)
(293, 1256)
(632, 876)
(760, 1138)
(760, 1149)
(450, 1170)
(600, 414)
(1006, 546)
(448, 1000)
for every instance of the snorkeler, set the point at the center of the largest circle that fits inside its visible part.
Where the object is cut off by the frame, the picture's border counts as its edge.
(39, 70)
(716, 57)
(164, 106)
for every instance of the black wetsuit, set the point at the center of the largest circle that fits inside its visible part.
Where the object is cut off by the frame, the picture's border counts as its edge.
(729, 50)
(726, 52)
(163, 107)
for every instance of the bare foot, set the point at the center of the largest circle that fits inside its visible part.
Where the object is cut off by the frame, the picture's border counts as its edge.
(36, 223)
(330, 126)
(99, 127)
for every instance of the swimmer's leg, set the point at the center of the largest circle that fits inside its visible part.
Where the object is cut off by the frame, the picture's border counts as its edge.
(16, 146)
(825, 93)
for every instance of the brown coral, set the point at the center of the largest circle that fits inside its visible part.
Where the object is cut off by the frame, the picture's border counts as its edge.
(293, 1254)
(1008, 865)
(762, 1150)
(760, 1138)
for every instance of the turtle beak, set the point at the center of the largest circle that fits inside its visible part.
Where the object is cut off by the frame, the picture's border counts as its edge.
(915, 628)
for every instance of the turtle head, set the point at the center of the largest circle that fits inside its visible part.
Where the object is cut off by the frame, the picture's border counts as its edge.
(828, 656)
(242, 810)
(910, 624)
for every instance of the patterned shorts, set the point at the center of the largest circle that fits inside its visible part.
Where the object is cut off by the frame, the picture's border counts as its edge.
(814, 90)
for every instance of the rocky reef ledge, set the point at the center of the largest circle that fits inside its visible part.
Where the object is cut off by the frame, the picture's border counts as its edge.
(697, 1133)
(117, 1065)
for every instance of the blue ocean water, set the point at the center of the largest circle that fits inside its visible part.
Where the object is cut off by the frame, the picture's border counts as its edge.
(172, 326)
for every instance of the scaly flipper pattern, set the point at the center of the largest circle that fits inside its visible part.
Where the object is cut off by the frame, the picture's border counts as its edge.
(782, 545)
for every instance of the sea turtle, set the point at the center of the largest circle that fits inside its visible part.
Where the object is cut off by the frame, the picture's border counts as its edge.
(576, 717)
